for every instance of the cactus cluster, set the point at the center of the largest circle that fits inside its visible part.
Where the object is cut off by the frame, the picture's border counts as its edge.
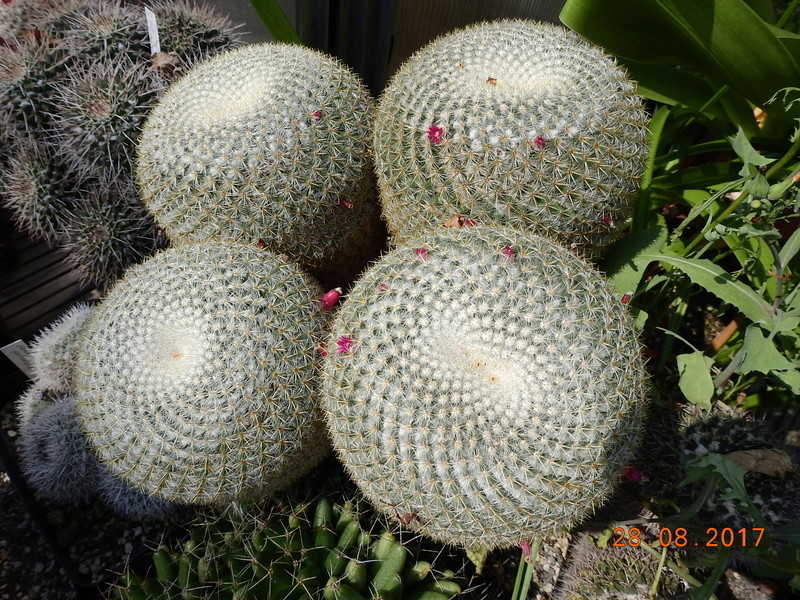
(54, 456)
(483, 386)
(312, 550)
(267, 142)
(197, 375)
(76, 81)
(517, 122)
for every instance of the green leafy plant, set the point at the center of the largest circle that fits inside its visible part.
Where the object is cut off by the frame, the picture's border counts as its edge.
(711, 260)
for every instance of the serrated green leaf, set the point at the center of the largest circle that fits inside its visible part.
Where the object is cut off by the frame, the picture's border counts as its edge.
(760, 354)
(624, 265)
(719, 282)
(791, 378)
(695, 378)
(744, 150)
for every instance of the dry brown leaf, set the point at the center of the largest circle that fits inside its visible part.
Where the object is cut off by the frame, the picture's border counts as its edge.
(773, 462)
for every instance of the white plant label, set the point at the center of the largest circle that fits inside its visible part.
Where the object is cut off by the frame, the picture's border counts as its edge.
(18, 352)
(152, 31)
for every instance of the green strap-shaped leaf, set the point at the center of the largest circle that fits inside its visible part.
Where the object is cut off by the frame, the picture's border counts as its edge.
(275, 21)
(722, 284)
(724, 40)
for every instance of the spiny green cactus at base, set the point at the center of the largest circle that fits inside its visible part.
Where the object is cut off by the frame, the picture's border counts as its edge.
(515, 122)
(197, 377)
(484, 386)
(312, 551)
(627, 573)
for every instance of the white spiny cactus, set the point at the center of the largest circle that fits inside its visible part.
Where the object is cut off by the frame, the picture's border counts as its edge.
(484, 386)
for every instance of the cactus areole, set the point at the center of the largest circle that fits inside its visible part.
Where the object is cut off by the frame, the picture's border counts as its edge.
(481, 396)
(515, 122)
(196, 380)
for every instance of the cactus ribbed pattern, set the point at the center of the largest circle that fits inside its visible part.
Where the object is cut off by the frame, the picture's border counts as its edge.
(266, 142)
(196, 381)
(306, 551)
(483, 386)
(517, 122)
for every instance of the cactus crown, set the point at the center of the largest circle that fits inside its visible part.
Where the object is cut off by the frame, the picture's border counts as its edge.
(483, 385)
(513, 121)
(196, 380)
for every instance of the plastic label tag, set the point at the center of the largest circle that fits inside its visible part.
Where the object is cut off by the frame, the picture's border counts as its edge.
(152, 31)
(17, 352)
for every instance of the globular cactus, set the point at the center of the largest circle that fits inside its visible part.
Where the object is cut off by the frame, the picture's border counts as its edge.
(513, 121)
(484, 386)
(39, 190)
(108, 231)
(101, 107)
(30, 402)
(197, 377)
(608, 573)
(318, 550)
(58, 464)
(53, 453)
(52, 352)
(267, 142)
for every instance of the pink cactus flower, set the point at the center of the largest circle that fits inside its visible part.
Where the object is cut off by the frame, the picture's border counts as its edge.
(330, 298)
(632, 474)
(344, 344)
(435, 134)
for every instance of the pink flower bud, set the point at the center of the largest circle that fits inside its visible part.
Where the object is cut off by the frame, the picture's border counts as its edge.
(421, 253)
(317, 114)
(344, 344)
(330, 298)
(539, 142)
(382, 288)
(435, 134)
(525, 545)
(322, 350)
(261, 243)
(632, 474)
(608, 220)
(508, 253)
(627, 297)
(346, 204)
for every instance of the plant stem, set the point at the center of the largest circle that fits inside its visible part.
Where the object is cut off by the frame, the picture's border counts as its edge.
(673, 566)
(776, 167)
(657, 580)
(527, 564)
(787, 13)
